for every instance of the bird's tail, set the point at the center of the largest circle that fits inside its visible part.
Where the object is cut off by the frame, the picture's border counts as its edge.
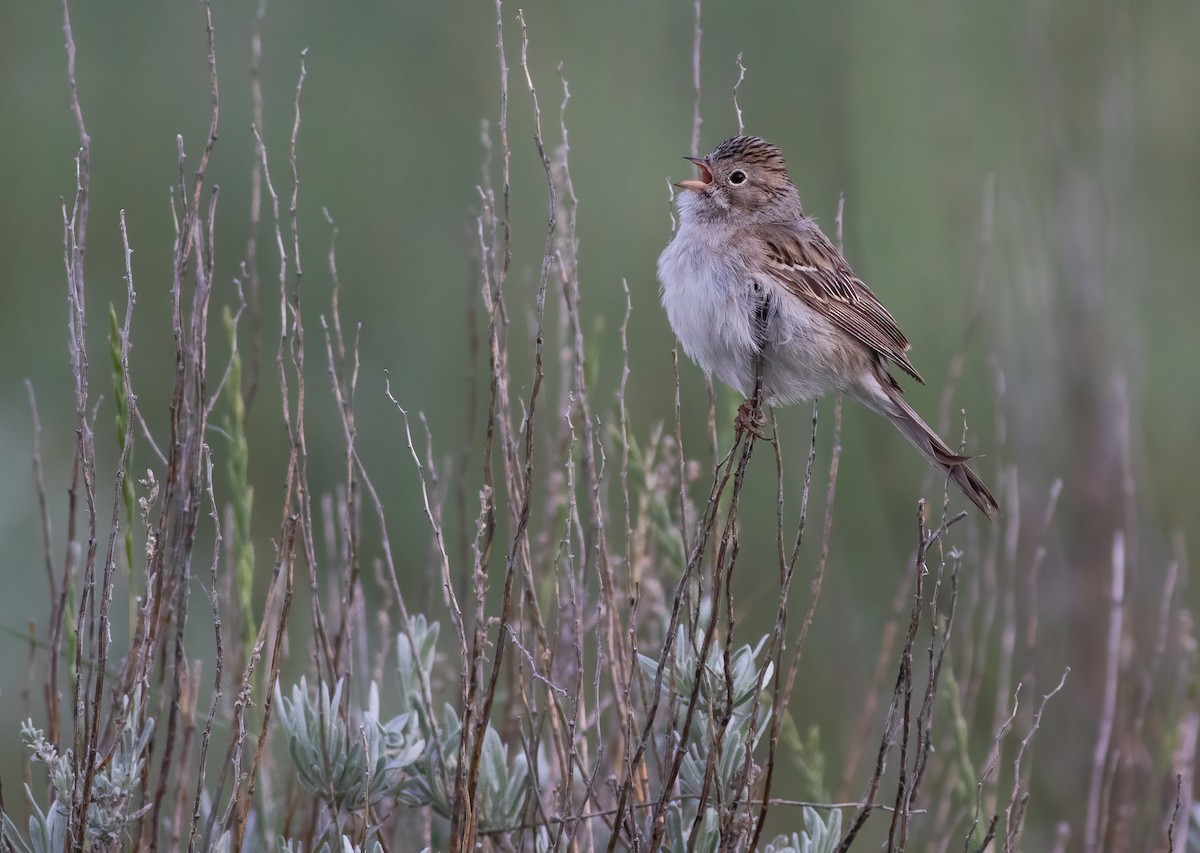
(930, 445)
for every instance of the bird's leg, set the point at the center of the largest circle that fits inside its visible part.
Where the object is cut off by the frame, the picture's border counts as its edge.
(750, 418)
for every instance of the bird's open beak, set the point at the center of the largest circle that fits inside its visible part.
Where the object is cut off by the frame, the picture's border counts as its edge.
(705, 178)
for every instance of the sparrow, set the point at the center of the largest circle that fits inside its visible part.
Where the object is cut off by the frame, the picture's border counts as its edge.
(748, 275)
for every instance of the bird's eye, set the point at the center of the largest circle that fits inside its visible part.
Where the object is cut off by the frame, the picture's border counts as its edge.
(737, 177)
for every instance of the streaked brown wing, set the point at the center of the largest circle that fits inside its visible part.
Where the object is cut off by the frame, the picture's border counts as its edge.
(808, 265)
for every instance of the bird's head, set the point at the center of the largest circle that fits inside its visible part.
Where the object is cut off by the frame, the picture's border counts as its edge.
(743, 179)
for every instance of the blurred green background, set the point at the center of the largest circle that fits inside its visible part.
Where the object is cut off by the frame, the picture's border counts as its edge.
(1084, 113)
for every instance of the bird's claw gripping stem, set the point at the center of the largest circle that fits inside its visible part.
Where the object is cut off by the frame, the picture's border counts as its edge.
(750, 419)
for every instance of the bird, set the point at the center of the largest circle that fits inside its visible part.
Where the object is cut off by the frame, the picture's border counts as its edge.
(749, 276)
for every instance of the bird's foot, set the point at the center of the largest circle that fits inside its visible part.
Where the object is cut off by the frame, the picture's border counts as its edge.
(750, 419)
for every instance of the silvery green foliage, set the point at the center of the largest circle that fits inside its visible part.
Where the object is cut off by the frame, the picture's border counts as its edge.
(342, 845)
(503, 782)
(502, 786)
(729, 763)
(47, 832)
(544, 841)
(679, 831)
(113, 783)
(347, 760)
(712, 698)
(432, 779)
(730, 782)
(711, 705)
(818, 837)
(410, 665)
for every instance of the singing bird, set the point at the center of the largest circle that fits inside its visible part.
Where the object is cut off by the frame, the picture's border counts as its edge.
(748, 274)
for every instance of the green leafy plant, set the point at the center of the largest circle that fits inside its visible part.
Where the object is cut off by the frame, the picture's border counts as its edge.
(350, 759)
(819, 836)
(114, 781)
